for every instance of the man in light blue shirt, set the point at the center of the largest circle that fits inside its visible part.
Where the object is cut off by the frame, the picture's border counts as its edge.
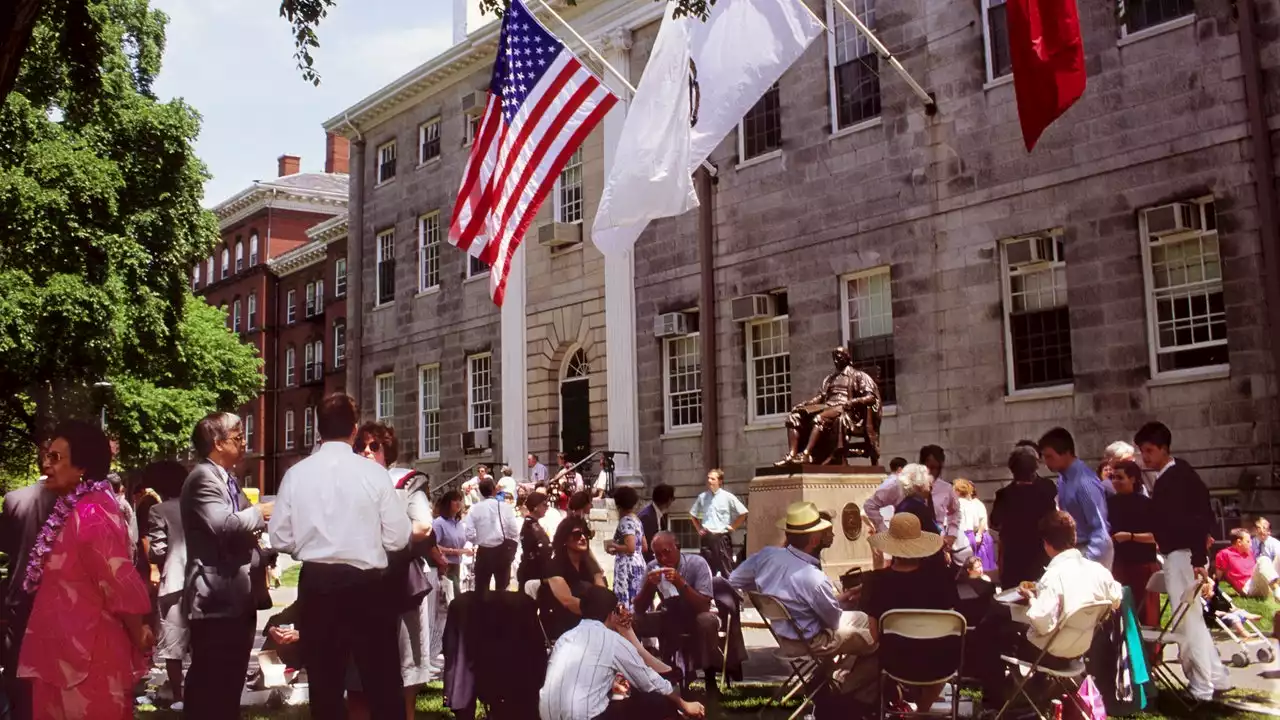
(1080, 494)
(715, 515)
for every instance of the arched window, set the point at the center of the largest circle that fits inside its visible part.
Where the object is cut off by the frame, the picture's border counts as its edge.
(226, 263)
(253, 249)
(578, 366)
(239, 256)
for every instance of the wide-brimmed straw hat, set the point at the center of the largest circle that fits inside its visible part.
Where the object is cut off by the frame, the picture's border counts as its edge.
(802, 518)
(905, 539)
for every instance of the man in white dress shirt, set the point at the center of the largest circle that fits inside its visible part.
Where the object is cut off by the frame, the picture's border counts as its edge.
(339, 514)
(584, 663)
(493, 528)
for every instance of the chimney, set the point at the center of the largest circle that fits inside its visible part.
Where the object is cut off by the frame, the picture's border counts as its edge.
(287, 165)
(337, 154)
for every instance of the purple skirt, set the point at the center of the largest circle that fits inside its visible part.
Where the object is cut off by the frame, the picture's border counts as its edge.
(985, 551)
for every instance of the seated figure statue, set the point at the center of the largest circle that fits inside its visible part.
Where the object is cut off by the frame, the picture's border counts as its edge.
(825, 429)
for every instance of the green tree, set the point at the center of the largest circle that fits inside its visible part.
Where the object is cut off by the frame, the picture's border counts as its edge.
(100, 224)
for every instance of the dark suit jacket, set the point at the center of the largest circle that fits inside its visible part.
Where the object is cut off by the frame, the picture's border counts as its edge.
(25, 511)
(648, 516)
(221, 545)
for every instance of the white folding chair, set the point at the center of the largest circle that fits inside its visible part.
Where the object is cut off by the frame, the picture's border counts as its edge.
(809, 673)
(1154, 640)
(1070, 641)
(905, 636)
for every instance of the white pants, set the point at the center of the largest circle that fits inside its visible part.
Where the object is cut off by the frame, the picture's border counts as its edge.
(1262, 584)
(1196, 651)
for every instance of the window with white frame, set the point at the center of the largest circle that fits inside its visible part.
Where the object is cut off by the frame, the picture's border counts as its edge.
(308, 427)
(291, 307)
(340, 277)
(1182, 268)
(311, 299)
(195, 277)
(320, 296)
(339, 344)
(208, 274)
(308, 362)
(288, 430)
(384, 398)
(769, 369)
(682, 378)
(476, 267)
(854, 66)
(290, 367)
(867, 305)
(429, 140)
(253, 249)
(760, 131)
(386, 267)
(568, 190)
(319, 369)
(479, 389)
(235, 315)
(995, 31)
(386, 162)
(253, 311)
(428, 251)
(226, 264)
(1037, 322)
(429, 411)
(470, 129)
(1142, 14)
(248, 432)
(239, 256)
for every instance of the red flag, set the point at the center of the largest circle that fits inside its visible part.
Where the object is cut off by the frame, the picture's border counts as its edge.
(1048, 61)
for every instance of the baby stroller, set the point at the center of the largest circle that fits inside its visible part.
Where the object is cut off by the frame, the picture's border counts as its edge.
(1239, 626)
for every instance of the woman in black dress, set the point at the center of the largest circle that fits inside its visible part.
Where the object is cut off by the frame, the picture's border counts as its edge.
(535, 554)
(572, 570)
(1015, 517)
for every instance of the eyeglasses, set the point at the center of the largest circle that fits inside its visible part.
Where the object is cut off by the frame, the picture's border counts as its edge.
(371, 446)
(578, 535)
(54, 457)
(237, 439)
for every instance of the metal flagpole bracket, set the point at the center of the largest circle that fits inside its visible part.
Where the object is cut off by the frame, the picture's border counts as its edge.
(930, 103)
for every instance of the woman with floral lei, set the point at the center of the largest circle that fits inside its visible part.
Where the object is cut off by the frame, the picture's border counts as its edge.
(85, 643)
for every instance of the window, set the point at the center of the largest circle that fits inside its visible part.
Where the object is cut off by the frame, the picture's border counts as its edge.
(340, 277)
(248, 432)
(253, 311)
(429, 140)
(682, 528)
(428, 251)
(291, 307)
(386, 162)
(995, 29)
(476, 267)
(288, 430)
(1037, 323)
(470, 130)
(235, 315)
(1186, 314)
(568, 190)
(479, 385)
(319, 369)
(290, 370)
(239, 256)
(429, 407)
(209, 271)
(253, 249)
(308, 427)
(226, 264)
(760, 131)
(308, 362)
(386, 267)
(339, 344)
(683, 380)
(195, 277)
(769, 366)
(868, 328)
(311, 299)
(1142, 14)
(384, 398)
(855, 79)
(320, 296)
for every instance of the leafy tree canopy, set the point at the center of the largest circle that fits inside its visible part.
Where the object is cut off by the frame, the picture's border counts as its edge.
(100, 224)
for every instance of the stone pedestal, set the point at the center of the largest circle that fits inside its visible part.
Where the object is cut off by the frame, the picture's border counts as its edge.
(838, 490)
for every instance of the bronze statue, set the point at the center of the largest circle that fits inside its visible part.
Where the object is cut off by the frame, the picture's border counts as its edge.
(825, 430)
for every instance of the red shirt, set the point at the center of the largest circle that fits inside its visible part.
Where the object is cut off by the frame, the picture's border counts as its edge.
(1237, 566)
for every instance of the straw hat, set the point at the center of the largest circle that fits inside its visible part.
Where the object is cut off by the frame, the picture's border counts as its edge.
(904, 538)
(802, 518)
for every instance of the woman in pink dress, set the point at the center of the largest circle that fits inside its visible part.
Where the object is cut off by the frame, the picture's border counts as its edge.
(85, 643)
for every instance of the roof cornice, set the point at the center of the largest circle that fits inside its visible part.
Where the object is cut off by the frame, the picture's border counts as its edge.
(303, 256)
(261, 195)
(329, 231)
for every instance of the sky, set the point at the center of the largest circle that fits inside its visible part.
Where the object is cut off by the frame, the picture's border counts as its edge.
(232, 60)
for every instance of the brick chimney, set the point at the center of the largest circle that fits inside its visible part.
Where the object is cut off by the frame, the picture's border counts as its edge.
(337, 154)
(288, 165)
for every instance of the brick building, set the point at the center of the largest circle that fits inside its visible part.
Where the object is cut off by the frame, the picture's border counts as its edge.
(1113, 276)
(268, 248)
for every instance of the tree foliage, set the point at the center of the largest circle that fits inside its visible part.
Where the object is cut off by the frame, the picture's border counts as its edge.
(100, 223)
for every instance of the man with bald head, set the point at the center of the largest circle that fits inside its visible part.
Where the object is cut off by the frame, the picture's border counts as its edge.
(682, 585)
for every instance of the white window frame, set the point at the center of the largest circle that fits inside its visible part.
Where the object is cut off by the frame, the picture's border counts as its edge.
(476, 267)
(556, 206)
(251, 322)
(429, 242)
(239, 256)
(253, 249)
(288, 430)
(751, 328)
(384, 398)
(291, 307)
(473, 405)
(389, 234)
(987, 5)
(320, 299)
(318, 372)
(386, 148)
(248, 433)
(339, 344)
(742, 128)
(195, 277)
(308, 426)
(340, 277)
(470, 128)
(833, 13)
(311, 300)
(290, 366)
(235, 315)
(667, 425)
(226, 264)
(1123, 25)
(209, 272)
(424, 130)
(428, 412)
(848, 339)
(308, 362)
(1006, 282)
(1149, 290)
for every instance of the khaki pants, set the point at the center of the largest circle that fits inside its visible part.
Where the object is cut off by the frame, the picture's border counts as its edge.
(849, 641)
(1263, 583)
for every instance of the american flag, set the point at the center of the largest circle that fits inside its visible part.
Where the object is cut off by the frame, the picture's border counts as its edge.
(542, 104)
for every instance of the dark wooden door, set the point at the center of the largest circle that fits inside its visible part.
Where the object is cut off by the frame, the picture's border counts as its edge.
(575, 419)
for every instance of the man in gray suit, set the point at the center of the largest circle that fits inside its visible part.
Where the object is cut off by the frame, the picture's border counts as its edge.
(25, 512)
(221, 530)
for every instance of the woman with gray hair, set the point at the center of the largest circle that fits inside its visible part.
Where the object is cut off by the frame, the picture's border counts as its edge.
(917, 499)
(1114, 454)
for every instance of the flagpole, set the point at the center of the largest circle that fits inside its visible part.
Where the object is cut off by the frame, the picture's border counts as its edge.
(930, 105)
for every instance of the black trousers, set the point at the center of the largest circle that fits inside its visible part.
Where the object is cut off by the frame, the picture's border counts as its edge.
(17, 689)
(346, 615)
(220, 650)
(717, 550)
(493, 563)
(640, 706)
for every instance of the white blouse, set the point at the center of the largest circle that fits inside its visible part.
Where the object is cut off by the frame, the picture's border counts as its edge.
(973, 513)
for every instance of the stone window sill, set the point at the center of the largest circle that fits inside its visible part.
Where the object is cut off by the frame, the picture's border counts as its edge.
(1048, 393)
(1181, 377)
(857, 127)
(1155, 30)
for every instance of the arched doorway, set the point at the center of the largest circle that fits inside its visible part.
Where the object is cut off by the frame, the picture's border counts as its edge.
(575, 407)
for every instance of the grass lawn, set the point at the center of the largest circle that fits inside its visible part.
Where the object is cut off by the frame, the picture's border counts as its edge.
(289, 578)
(1258, 606)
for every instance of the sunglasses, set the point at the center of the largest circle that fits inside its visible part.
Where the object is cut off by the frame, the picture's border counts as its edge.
(371, 446)
(577, 535)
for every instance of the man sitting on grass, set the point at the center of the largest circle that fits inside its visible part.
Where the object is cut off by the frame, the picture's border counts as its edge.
(1236, 564)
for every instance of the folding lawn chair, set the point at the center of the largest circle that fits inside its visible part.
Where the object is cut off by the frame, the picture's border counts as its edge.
(1155, 639)
(1069, 641)
(906, 636)
(809, 674)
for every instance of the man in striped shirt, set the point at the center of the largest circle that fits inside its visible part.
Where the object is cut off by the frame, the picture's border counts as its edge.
(584, 663)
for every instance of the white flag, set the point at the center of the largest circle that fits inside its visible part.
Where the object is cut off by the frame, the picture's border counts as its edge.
(712, 72)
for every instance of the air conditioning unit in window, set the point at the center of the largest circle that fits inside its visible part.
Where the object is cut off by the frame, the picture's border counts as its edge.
(473, 103)
(556, 234)
(1171, 219)
(754, 307)
(1029, 250)
(670, 325)
(475, 441)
